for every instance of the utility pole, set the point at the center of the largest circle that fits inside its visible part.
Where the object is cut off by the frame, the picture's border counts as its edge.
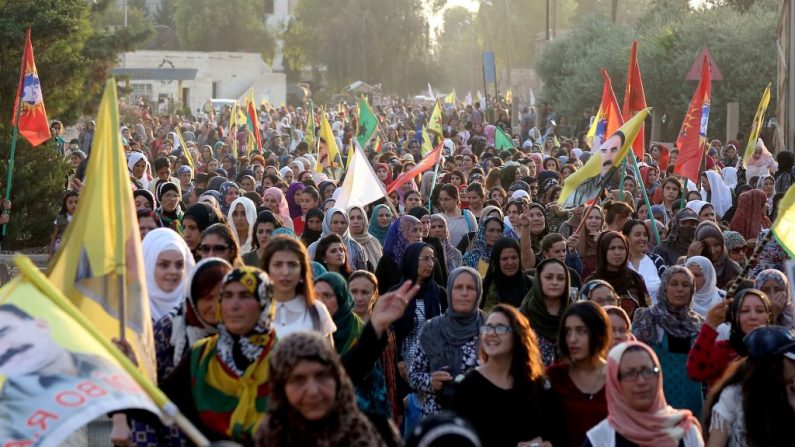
(614, 11)
(547, 22)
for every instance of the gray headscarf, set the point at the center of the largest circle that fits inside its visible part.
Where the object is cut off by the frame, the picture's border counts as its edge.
(442, 337)
(652, 323)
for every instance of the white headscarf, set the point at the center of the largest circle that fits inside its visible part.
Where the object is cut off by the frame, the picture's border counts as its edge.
(720, 194)
(251, 217)
(156, 242)
(729, 176)
(134, 158)
(697, 205)
(709, 294)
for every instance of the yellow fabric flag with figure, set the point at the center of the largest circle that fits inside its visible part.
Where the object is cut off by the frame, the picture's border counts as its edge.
(427, 142)
(785, 222)
(756, 127)
(450, 98)
(99, 265)
(435, 123)
(185, 149)
(587, 183)
(327, 149)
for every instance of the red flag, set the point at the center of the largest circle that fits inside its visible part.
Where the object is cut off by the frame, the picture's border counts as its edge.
(608, 117)
(693, 135)
(426, 163)
(634, 98)
(32, 122)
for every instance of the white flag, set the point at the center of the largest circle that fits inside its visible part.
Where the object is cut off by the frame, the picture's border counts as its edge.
(532, 99)
(468, 99)
(430, 92)
(361, 186)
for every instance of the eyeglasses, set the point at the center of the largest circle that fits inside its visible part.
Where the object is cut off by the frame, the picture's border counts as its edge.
(633, 374)
(496, 329)
(206, 248)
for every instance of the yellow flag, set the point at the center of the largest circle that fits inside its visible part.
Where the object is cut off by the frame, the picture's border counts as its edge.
(785, 222)
(328, 151)
(587, 182)
(450, 99)
(185, 148)
(351, 149)
(509, 95)
(435, 123)
(427, 142)
(99, 265)
(756, 127)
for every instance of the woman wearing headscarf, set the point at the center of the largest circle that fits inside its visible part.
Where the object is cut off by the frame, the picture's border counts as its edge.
(708, 242)
(545, 303)
(612, 255)
(440, 269)
(274, 199)
(293, 192)
(707, 292)
(651, 179)
(448, 344)
(718, 194)
(311, 235)
(229, 192)
(167, 262)
(376, 226)
(139, 170)
(359, 231)
(712, 352)
(785, 160)
(332, 290)
(402, 232)
(223, 385)
(176, 332)
(241, 218)
(637, 415)
(335, 420)
(336, 221)
(196, 219)
(761, 162)
(479, 255)
(439, 230)
(775, 285)
(505, 280)
(170, 212)
(670, 327)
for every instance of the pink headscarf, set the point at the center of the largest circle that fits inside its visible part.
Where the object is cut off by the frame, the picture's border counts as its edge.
(536, 157)
(489, 131)
(661, 426)
(282, 210)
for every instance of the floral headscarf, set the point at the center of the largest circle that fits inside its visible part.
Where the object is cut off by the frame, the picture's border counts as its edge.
(652, 323)
(785, 317)
(396, 240)
(481, 250)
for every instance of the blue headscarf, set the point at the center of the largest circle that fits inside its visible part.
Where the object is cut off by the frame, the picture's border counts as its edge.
(395, 243)
(225, 187)
(377, 231)
(481, 250)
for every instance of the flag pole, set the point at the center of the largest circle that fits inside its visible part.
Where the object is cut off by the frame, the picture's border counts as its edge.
(433, 183)
(593, 204)
(650, 215)
(15, 135)
(32, 274)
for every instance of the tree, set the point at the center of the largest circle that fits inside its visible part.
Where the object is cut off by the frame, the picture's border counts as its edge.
(387, 43)
(164, 15)
(231, 25)
(456, 48)
(73, 55)
(670, 37)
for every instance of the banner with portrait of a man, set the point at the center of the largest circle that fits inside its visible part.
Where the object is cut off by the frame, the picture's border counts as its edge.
(54, 376)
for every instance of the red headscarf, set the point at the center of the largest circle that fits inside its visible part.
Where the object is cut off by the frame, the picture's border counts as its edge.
(660, 426)
(388, 178)
(750, 216)
(665, 155)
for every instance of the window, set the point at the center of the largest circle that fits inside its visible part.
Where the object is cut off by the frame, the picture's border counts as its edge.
(140, 91)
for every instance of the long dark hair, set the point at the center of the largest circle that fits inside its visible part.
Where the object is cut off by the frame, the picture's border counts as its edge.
(66, 197)
(768, 416)
(224, 232)
(262, 218)
(526, 365)
(286, 243)
(598, 323)
(323, 246)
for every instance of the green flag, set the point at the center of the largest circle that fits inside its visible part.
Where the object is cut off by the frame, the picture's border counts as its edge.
(367, 123)
(501, 141)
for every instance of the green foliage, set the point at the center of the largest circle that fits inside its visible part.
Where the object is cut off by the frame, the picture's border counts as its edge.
(231, 25)
(387, 43)
(164, 15)
(38, 184)
(670, 38)
(457, 47)
(74, 43)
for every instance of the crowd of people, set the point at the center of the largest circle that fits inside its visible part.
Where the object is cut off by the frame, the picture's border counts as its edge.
(467, 307)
